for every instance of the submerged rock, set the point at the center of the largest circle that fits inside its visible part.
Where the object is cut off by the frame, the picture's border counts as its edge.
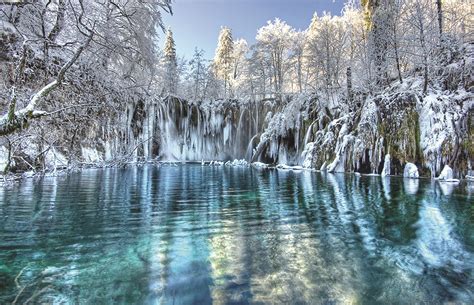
(411, 171)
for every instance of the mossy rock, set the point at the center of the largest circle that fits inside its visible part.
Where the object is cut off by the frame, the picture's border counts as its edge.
(401, 130)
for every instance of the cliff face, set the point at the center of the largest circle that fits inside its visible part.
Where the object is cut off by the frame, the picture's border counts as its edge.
(430, 131)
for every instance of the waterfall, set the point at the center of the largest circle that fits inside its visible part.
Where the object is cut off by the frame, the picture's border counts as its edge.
(309, 132)
(177, 130)
(174, 129)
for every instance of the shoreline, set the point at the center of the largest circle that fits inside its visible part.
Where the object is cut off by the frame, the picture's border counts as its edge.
(18, 177)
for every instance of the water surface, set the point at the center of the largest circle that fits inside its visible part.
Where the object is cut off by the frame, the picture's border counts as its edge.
(193, 234)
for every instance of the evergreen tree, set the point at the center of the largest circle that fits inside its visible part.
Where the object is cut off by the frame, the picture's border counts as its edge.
(170, 64)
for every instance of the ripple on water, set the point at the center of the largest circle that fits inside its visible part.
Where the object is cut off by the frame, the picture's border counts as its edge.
(197, 234)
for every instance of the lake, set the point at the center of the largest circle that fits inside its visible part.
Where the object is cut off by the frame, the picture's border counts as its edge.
(192, 234)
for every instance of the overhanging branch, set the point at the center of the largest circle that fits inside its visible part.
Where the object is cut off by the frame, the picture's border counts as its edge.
(15, 120)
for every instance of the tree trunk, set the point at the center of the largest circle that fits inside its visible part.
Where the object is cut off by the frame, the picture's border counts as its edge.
(440, 16)
(397, 59)
(425, 57)
(425, 83)
(349, 85)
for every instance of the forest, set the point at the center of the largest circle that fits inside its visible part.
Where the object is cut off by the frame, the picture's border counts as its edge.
(386, 87)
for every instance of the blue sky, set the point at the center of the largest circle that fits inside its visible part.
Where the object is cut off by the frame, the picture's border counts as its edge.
(196, 23)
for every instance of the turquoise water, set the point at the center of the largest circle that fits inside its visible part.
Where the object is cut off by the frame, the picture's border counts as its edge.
(193, 234)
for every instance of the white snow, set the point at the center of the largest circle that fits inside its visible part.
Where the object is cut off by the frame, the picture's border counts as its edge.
(288, 167)
(411, 171)
(3, 158)
(446, 176)
(237, 162)
(91, 155)
(440, 116)
(446, 173)
(54, 159)
(386, 166)
(216, 163)
(259, 165)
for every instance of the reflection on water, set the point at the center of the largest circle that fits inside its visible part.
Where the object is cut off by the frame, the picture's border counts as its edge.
(194, 234)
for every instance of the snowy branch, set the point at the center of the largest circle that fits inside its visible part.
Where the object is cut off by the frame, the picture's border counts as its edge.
(15, 120)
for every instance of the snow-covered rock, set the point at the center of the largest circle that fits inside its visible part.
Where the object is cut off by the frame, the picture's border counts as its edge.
(237, 162)
(288, 167)
(411, 171)
(216, 163)
(446, 173)
(259, 165)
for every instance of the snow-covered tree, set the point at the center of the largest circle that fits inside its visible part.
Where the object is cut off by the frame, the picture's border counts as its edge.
(197, 75)
(170, 64)
(421, 17)
(326, 45)
(274, 42)
(297, 57)
(378, 18)
(111, 40)
(223, 58)
(240, 67)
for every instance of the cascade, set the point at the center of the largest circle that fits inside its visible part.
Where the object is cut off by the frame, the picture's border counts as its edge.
(177, 130)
